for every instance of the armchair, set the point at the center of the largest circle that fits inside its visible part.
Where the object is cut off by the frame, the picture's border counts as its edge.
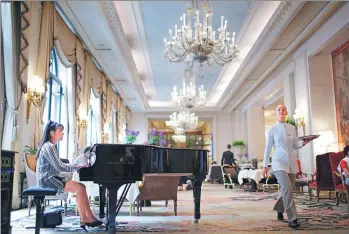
(341, 187)
(31, 178)
(158, 188)
(323, 180)
(230, 176)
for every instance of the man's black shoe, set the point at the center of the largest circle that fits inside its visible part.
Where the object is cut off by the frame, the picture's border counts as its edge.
(293, 224)
(280, 216)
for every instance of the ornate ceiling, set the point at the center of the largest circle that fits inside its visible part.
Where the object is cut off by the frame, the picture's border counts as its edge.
(126, 39)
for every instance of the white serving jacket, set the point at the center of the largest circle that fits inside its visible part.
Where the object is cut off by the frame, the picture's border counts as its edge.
(282, 136)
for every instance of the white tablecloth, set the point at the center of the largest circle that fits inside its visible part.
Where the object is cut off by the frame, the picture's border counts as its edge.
(256, 175)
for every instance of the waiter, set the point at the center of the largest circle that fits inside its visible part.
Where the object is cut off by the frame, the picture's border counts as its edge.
(282, 136)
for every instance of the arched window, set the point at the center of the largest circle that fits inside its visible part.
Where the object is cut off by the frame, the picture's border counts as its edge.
(54, 94)
(56, 105)
(94, 121)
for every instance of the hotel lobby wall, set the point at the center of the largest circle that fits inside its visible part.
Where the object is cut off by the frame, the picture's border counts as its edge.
(322, 99)
(308, 97)
(255, 132)
(139, 122)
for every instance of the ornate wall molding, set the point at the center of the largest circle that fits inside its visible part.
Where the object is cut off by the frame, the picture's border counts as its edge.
(283, 9)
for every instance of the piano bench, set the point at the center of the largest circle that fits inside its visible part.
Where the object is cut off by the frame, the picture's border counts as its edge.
(39, 198)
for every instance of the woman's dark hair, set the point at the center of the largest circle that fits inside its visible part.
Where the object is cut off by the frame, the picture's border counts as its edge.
(346, 150)
(87, 149)
(50, 126)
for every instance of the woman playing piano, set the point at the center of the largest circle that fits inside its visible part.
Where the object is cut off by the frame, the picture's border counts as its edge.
(49, 168)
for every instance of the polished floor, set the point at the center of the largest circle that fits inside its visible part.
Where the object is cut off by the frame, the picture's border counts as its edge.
(223, 211)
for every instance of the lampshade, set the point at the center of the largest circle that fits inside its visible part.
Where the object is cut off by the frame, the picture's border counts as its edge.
(326, 138)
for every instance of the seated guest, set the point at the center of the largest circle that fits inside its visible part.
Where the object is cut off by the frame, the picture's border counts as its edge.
(50, 167)
(343, 166)
(228, 158)
(215, 173)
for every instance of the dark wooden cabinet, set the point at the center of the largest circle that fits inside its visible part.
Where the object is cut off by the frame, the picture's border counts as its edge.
(7, 170)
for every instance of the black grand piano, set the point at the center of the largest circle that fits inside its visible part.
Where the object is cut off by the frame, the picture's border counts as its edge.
(118, 164)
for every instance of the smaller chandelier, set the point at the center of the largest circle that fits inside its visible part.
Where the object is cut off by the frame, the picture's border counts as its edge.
(197, 40)
(179, 138)
(186, 97)
(184, 120)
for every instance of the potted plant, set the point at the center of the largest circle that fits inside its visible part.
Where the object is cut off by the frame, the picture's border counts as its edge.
(131, 136)
(30, 152)
(239, 145)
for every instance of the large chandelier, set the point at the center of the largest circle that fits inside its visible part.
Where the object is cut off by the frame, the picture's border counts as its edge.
(198, 40)
(187, 96)
(184, 119)
(179, 138)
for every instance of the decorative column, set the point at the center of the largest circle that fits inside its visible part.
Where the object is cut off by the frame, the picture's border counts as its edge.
(302, 91)
(255, 132)
(289, 94)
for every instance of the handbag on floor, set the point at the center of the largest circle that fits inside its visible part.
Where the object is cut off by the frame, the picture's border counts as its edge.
(52, 219)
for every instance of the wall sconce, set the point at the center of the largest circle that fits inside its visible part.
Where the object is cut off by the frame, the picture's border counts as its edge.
(299, 118)
(82, 120)
(34, 94)
(326, 139)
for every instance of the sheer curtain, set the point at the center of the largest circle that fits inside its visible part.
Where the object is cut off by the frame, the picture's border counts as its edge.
(11, 71)
(65, 75)
(95, 121)
(2, 83)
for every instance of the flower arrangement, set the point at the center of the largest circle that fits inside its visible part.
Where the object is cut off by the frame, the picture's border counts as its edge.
(290, 120)
(156, 137)
(245, 160)
(131, 136)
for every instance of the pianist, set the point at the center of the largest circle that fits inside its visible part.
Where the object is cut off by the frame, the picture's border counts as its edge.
(49, 169)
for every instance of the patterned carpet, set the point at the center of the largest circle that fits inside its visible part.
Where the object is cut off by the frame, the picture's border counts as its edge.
(222, 209)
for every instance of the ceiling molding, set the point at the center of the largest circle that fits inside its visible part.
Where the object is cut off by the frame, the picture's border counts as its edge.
(111, 15)
(143, 40)
(284, 8)
(261, 47)
(131, 18)
(275, 97)
(315, 24)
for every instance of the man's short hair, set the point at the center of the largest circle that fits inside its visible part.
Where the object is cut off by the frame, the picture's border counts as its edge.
(229, 146)
(346, 150)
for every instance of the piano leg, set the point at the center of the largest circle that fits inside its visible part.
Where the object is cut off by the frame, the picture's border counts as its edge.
(112, 210)
(197, 199)
(102, 192)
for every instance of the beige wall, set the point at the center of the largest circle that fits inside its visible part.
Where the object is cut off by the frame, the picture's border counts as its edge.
(322, 99)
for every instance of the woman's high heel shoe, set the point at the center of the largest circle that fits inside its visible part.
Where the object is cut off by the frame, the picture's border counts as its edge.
(94, 223)
(83, 226)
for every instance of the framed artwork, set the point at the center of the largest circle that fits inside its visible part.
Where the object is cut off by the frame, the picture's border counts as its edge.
(340, 64)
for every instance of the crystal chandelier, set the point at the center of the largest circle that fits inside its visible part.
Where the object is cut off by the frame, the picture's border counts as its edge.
(179, 138)
(179, 131)
(186, 97)
(198, 40)
(184, 119)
